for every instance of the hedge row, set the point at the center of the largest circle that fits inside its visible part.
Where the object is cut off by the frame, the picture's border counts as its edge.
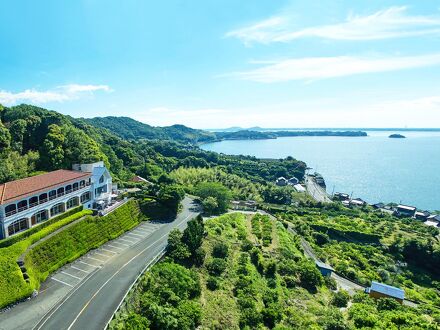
(12, 285)
(16, 238)
(78, 239)
(348, 234)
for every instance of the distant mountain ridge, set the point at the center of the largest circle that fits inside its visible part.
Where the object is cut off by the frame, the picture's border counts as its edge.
(131, 129)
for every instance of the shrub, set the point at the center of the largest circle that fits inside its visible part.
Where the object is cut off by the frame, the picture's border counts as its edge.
(212, 283)
(217, 266)
(76, 240)
(271, 315)
(340, 298)
(220, 250)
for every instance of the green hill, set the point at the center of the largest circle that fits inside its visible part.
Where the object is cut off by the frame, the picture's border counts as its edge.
(128, 128)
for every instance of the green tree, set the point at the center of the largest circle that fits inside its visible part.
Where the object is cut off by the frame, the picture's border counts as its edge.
(176, 249)
(18, 131)
(193, 234)
(340, 298)
(210, 205)
(5, 138)
(171, 196)
(216, 190)
(52, 152)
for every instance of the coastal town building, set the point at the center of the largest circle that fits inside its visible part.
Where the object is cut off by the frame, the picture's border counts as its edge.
(357, 202)
(28, 202)
(381, 290)
(341, 196)
(244, 205)
(299, 188)
(406, 211)
(282, 181)
(422, 215)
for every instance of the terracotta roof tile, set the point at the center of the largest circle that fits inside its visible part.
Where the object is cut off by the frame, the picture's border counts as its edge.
(22, 188)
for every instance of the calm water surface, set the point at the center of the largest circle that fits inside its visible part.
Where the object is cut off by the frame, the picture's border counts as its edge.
(375, 168)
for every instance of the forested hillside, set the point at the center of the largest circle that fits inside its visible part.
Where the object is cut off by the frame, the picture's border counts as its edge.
(34, 139)
(128, 128)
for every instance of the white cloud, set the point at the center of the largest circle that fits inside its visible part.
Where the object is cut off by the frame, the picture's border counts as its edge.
(393, 22)
(312, 68)
(58, 94)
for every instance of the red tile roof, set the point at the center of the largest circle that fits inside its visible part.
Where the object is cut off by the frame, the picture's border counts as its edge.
(22, 188)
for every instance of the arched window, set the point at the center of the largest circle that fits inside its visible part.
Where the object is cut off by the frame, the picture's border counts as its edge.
(10, 209)
(18, 226)
(40, 216)
(57, 209)
(75, 186)
(72, 203)
(22, 205)
(33, 201)
(60, 191)
(52, 194)
(42, 198)
(82, 183)
(85, 197)
(68, 189)
(101, 179)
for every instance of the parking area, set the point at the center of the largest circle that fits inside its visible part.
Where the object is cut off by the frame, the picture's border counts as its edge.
(72, 274)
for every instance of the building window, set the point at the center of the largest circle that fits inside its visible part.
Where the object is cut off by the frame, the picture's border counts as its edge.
(68, 189)
(57, 209)
(40, 217)
(82, 183)
(33, 201)
(85, 197)
(72, 203)
(75, 186)
(42, 198)
(101, 179)
(18, 226)
(10, 209)
(52, 194)
(60, 191)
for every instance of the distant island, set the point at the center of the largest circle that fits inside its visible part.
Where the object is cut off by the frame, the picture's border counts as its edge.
(259, 135)
(397, 136)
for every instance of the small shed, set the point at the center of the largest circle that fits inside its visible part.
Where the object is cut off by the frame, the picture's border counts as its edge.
(381, 290)
(406, 211)
(326, 270)
(299, 188)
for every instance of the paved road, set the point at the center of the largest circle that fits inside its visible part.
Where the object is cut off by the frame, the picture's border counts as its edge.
(316, 191)
(86, 293)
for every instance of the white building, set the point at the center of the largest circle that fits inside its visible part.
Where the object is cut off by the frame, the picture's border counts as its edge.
(26, 203)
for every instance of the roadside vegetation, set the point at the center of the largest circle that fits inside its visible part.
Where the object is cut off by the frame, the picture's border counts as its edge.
(67, 245)
(13, 285)
(249, 272)
(365, 245)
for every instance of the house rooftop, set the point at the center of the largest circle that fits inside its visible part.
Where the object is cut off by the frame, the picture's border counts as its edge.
(388, 290)
(406, 207)
(321, 264)
(17, 189)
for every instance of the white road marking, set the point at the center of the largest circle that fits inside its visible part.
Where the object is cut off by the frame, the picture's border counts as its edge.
(126, 240)
(116, 247)
(96, 259)
(85, 271)
(101, 254)
(62, 282)
(119, 243)
(108, 250)
(85, 263)
(79, 278)
(139, 235)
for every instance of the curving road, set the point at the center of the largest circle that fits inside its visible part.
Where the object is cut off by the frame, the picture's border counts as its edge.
(95, 292)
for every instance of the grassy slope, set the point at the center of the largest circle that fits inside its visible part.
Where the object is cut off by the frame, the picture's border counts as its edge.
(13, 286)
(59, 249)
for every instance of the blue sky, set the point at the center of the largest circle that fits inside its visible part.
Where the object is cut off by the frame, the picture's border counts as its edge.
(213, 64)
